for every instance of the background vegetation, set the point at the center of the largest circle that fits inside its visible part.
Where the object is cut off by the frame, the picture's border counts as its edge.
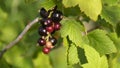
(89, 36)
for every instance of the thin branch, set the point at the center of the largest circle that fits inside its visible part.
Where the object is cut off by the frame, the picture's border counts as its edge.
(11, 44)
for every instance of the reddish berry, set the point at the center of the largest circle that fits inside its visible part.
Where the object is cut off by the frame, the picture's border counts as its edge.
(50, 29)
(57, 26)
(46, 50)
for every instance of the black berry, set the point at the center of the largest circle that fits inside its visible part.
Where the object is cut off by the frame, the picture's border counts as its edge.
(44, 13)
(53, 40)
(48, 22)
(42, 42)
(42, 31)
(42, 21)
(57, 16)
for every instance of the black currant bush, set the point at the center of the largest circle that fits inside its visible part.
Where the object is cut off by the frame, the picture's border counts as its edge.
(75, 33)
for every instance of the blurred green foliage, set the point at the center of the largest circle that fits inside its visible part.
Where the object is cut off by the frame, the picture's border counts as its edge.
(14, 16)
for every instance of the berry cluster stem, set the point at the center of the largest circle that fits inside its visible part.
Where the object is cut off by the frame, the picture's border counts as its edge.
(48, 36)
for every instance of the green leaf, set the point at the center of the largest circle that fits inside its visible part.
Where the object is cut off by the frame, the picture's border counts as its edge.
(90, 9)
(77, 66)
(72, 55)
(115, 39)
(58, 58)
(105, 25)
(115, 63)
(101, 42)
(87, 6)
(111, 14)
(47, 4)
(65, 42)
(110, 2)
(42, 61)
(94, 59)
(70, 3)
(118, 29)
(76, 11)
(72, 29)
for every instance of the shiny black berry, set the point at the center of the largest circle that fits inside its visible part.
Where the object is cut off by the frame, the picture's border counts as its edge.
(42, 31)
(41, 42)
(53, 40)
(57, 16)
(44, 13)
(48, 22)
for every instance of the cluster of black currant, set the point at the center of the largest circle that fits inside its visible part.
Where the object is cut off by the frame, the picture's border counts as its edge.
(50, 23)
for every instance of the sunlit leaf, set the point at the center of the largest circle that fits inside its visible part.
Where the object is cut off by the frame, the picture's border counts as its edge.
(90, 9)
(94, 59)
(114, 63)
(101, 42)
(72, 55)
(70, 3)
(72, 29)
(87, 6)
(47, 4)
